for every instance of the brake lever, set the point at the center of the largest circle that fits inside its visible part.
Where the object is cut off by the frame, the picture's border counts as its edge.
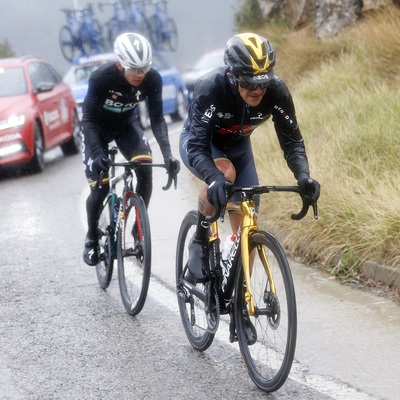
(174, 179)
(100, 179)
(315, 209)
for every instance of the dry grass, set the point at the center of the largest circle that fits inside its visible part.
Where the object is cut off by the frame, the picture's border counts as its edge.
(347, 95)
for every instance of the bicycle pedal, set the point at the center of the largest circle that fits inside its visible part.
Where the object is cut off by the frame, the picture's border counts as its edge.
(182, 294)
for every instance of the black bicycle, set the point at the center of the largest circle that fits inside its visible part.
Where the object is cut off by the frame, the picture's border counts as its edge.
(124, 234)
(253, 285)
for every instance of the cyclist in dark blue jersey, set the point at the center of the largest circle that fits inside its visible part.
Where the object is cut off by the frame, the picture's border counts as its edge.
(115, 90)
(228, 104)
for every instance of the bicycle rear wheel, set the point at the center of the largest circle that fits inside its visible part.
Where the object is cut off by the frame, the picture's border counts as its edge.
(134, 255)
(171, 35)
(67, 44)
(267, 340)
(105, 266)
(156, 37)
(191, 296)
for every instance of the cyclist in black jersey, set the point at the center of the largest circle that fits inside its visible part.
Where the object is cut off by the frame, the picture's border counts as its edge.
(114, 91)
(228, 104)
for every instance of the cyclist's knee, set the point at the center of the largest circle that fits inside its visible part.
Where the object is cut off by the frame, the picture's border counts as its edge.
(233, 207)
(98, 194)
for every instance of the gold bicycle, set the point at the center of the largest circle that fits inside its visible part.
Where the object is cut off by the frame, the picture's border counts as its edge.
(254, 286)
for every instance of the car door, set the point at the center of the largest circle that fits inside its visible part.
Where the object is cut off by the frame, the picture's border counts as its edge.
(46, 102)
(65, 103)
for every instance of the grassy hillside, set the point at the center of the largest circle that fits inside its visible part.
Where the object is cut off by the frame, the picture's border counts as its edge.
(347, 95)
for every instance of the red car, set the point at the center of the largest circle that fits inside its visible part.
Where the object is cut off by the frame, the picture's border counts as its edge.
(37, 113)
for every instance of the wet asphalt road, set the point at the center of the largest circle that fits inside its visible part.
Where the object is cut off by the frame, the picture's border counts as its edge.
(62, 337)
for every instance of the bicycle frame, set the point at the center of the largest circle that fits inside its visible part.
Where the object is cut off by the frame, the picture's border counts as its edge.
(247, 226)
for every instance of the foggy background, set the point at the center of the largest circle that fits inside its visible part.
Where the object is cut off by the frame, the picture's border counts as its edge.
(33, 26)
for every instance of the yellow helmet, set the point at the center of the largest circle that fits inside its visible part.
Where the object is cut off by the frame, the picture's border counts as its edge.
(250, 54)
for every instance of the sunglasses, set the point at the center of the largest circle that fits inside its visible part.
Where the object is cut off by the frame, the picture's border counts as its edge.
(252, 86)
(143, 70)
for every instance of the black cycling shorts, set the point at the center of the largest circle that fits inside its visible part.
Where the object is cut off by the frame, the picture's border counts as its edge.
(239, 154)
(130, 140)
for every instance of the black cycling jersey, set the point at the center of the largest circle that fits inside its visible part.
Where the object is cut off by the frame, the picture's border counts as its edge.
(218, 115)
(110, 103)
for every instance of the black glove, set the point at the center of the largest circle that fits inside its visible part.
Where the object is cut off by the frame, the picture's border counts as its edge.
(216, 192)
(173, 166)
(100, 163)
(309, 188)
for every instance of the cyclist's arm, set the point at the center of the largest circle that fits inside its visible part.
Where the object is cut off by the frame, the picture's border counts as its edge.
(288, 131)
(202, 125)
(91, 107)
(157, 120)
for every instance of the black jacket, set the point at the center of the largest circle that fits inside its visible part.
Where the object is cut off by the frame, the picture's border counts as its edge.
(219, 115)
(110, 103)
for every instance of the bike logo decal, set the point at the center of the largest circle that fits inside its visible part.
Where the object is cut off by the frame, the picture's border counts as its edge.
(226, 268)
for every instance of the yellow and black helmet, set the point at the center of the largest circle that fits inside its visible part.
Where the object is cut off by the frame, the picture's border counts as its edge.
(249, 54)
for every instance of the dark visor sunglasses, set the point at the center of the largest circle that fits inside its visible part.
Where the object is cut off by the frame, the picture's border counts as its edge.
(252, 86)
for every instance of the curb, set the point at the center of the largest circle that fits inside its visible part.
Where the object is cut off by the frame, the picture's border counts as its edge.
(388, 275)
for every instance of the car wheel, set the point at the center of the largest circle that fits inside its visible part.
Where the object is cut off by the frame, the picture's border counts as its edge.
(37, 163)
(181, 107)
(74, 144)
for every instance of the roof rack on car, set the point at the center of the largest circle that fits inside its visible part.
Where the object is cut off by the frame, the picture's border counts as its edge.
(95, 57)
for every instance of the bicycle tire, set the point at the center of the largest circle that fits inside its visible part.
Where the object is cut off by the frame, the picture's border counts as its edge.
(171, 35)
(267, 341)
(97, 37)
(134, 254)
(144, 27)
(86, 40)
(67, 43)
(191, 308)
(105, 266)
(114, 29)
(156, 37)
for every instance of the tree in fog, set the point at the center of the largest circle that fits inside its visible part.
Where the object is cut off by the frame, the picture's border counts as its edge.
(5, 50)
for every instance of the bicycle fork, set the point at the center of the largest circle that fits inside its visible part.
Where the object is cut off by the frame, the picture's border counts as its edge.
(249, 224)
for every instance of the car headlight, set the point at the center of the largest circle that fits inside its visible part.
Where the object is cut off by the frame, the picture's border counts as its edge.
(13, 121)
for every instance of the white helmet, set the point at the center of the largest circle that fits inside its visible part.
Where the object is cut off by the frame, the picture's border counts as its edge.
(133, 51)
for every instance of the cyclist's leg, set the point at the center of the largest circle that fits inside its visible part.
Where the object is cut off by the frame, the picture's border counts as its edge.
(198, 248)
(246, 175)
(134, 146)
(94, 203)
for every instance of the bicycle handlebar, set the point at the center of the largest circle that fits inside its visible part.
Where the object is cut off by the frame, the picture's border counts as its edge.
(253, 190)
(136, 164)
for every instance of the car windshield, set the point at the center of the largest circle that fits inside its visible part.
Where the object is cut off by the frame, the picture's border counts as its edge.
(12, 82)
(80, 73)
(159, 62)
(209, 61)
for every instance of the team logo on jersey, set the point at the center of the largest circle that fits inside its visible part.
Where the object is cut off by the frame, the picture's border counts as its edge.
(117, 106)
(259, 116)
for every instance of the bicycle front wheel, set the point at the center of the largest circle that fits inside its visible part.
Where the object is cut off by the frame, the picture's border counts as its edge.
(191, 295)
(134, 255)
(104, 268)
(267, 340)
